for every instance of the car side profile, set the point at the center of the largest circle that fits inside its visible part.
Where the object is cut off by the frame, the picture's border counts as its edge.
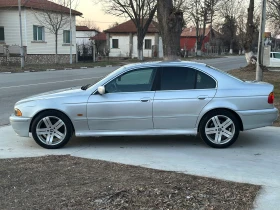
(274, 59)
(156, 98)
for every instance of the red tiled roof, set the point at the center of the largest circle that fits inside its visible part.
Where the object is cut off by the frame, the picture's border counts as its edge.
(191, 32)
(100, 37)
(129, 27)
(38, 4)
(83, 28)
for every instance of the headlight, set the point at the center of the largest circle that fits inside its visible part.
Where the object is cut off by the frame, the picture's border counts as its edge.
(18, 113)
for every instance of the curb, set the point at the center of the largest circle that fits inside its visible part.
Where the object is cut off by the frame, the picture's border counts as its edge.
(8, 72)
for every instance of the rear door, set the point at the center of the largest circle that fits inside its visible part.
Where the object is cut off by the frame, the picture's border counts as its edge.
(181, 94)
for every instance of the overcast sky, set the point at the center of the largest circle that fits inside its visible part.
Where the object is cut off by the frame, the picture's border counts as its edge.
(95, 13)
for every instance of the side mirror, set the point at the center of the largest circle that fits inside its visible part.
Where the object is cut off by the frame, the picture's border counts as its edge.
(101, 90)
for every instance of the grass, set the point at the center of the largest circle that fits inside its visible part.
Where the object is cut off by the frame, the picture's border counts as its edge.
(272, 77)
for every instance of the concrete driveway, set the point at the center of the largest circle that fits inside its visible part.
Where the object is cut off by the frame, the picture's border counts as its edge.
(254, 158)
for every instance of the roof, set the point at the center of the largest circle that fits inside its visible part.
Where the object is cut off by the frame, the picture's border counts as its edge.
(38, 4)
(267, 34)
(99, 37)
(191, 32)
(129, 27)
(84, 28)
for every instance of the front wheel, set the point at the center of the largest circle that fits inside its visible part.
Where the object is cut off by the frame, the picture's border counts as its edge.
(219, 129)
(51, 129)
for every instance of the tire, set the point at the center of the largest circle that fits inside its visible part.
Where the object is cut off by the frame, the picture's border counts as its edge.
(219, 129)
(51, 129)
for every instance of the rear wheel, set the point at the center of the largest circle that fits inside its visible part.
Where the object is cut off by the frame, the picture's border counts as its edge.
(219, 129)
(51, 129)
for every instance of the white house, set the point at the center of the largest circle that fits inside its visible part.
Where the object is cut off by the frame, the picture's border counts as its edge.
(38, 41)
(122, 41)
(84, 34)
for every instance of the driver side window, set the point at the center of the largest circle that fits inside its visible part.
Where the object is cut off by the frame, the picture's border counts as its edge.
(132, 81)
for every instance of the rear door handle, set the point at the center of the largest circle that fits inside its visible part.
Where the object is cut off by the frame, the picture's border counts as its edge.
(145, 99)
(202, 97)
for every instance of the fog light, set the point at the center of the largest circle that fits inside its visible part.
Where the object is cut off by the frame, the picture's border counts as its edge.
(18, 113)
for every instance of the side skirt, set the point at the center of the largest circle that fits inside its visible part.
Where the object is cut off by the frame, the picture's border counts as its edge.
(153, 132)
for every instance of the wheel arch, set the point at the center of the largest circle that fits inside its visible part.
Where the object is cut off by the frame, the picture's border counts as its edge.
(227, 109)
(45, 110)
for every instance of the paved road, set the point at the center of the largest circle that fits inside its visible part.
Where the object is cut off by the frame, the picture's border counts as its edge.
(14, 87)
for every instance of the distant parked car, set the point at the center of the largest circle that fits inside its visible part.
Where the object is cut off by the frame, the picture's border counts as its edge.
(158, 98)
(274, 59)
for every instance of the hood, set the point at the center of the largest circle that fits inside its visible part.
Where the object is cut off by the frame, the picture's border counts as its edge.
(53, 94)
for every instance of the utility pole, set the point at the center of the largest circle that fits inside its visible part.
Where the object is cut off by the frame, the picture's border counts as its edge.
(71, 33)
(20, 29)
(259, 72)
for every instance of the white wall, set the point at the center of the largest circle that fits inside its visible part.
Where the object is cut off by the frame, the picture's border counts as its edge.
(123, 50)
(10, 20)
(82, 37)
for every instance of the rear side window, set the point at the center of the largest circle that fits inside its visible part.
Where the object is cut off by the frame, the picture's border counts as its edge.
(177, 78)
(277, 55)
(204, 81)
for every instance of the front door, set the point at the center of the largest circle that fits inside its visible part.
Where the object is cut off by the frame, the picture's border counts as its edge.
(181, 95)
(127, 104)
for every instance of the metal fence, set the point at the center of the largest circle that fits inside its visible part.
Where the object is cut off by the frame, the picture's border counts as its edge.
(85, 52)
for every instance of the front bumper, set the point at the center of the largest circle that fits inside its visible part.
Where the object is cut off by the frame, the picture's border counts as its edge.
(20, 125)
(258, 118)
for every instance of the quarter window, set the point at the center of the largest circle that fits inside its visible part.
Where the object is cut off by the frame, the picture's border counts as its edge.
(2, 34)
(115, 43)
(148, 44)
(66, 37)
(203, 81)
(133, 81)
(38, 33)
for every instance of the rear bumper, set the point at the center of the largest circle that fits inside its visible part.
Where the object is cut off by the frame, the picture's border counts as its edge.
(20, 125)
(258, 118)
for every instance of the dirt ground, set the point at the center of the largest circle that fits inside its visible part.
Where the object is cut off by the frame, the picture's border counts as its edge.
(65, 182)
(273, 77)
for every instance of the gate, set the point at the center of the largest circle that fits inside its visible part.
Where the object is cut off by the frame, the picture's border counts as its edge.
(85, 53)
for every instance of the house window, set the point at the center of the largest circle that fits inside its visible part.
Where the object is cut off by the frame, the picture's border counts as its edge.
(66, 37)
(2, 34)
(38, 33)
(148, 44)
(115, 43)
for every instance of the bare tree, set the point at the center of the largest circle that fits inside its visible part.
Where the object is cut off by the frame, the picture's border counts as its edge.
(91, 24)
(113, 25)
(273, 15)
(54, 19)
(201, 13)
(141, 12)
(170, 20)
(248, 43)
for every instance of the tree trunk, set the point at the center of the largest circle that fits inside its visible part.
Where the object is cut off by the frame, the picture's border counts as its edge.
(170, 24)
(56, 59)
(140, 43)
(249, 33)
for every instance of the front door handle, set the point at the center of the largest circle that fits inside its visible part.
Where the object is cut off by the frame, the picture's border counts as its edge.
(202, 97)
(145, 99)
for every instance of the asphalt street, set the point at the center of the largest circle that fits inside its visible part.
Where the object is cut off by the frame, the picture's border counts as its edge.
(14, 87)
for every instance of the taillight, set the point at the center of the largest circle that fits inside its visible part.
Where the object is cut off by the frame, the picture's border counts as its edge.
(270, 99)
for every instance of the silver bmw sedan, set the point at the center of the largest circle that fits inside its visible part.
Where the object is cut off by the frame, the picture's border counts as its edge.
(156, 98)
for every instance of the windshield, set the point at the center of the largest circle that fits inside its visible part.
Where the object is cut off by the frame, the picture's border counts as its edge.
(99, 79)
(224, 72)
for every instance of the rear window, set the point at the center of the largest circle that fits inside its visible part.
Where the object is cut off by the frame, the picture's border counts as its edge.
(224, 72)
